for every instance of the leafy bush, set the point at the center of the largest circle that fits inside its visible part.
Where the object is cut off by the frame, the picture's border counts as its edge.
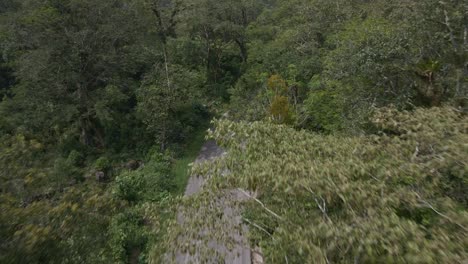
(126, 234)
(147, 193)
(398, 196)
(65, 172)
(324, 107)
(150, 183)
(75, 158)
(279, 110)
(102, 164)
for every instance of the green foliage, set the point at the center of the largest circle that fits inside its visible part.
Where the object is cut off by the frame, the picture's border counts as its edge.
(163, 103)
(65, 172)
(180, 169)
(368, 55)
(279, 107)
(75, 158)
(50, 213)
(247, 101)
(369, 66)
(86, 85)
(324, 107)
(136, 231)
(139, 226)
(74, 62)
(102, 164)
(277, 85)
(57, 231)
(279, 110)
(17, 176)
(150, 183)
(396, 196)
(126, 235)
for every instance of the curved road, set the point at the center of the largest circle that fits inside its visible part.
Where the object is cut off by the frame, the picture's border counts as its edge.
(241, 253)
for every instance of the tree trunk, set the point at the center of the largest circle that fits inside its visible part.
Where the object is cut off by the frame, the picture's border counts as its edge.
(243, 50)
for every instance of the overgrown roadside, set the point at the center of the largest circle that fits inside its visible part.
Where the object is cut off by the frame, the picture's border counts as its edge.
(180, 167)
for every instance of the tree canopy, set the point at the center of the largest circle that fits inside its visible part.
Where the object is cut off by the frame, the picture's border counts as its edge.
(344, 121)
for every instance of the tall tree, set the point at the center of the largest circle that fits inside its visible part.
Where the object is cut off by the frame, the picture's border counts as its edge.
(221, 25)
(74, 60)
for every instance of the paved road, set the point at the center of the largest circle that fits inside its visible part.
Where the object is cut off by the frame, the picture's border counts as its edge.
(209, 151)
(240, 254)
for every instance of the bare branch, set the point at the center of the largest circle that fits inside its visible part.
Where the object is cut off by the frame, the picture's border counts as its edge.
(440, 214)
(449, 27)
(322, 206)
(259, 227)
(261, 203)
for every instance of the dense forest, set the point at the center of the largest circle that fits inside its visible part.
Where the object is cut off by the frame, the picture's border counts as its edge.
(346, 120)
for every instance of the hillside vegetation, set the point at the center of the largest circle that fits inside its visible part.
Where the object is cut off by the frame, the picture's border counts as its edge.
(397, 196)
(344, 120)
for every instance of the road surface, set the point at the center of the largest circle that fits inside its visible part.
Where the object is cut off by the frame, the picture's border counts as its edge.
(240, 253)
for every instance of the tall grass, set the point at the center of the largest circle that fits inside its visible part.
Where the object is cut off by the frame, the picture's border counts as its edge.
(180, 169)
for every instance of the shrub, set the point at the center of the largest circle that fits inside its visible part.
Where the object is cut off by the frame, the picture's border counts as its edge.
(150, 183)
(126, 234)
(325, 110)
(102, 164)
(75, 158)
(279, 110)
